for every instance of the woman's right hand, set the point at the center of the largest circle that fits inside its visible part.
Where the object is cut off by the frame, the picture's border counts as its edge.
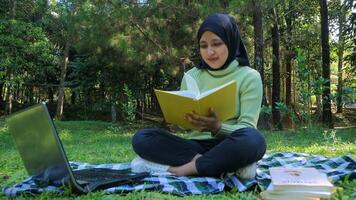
(204, 123)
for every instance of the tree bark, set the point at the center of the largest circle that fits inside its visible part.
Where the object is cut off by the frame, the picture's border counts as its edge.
(340, 54)
(258, 36)
(113, 111)
(276, 118)
(9, 96)
(288, 59)
(1, 94)
(60, 102)
(224, 3)
(73, 98)
(264, 119)
(50, 95)
(10, 87)
(327, 116)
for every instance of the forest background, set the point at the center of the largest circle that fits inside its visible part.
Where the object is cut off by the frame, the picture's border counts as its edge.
(101, 59)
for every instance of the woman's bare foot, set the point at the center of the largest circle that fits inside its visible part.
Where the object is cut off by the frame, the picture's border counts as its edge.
(186, 169)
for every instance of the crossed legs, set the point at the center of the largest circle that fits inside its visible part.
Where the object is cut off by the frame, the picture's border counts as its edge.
(209, 157)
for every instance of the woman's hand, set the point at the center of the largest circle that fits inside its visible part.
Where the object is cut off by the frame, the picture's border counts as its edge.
(204, 123)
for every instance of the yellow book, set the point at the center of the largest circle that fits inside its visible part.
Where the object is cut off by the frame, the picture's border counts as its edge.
(175, 104)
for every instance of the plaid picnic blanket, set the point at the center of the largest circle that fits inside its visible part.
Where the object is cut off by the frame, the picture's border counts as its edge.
(335, 168)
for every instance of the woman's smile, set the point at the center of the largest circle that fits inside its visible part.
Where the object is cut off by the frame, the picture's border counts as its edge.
(213, 59)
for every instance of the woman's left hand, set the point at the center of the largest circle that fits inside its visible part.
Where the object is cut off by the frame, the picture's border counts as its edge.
(204, 123)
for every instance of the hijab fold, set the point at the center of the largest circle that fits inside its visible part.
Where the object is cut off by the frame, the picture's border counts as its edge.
(225, 26)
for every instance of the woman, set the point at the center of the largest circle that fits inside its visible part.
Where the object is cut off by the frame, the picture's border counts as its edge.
(221, 147)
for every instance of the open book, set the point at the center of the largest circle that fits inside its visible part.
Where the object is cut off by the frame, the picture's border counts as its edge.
(175, 104)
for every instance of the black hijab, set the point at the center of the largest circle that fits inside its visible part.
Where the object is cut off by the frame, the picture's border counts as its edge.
(225, 26)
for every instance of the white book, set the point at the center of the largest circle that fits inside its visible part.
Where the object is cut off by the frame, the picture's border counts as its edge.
(286, 197)
(305, 179)
(270, 193)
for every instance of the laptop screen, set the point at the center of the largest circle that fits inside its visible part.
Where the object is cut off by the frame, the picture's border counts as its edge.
(36, 139)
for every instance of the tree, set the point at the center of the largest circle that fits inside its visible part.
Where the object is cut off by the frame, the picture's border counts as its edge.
(62, 23)
(341, 23)
(276, 118)
(289, 19)
(258, 39)
(264, 119)
(25, 52)
(340, 54)
(327, 116)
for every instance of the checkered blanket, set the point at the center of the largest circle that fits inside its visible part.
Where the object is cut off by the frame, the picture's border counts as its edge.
(335, 168)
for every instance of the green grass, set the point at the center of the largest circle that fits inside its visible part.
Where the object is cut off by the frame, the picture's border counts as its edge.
(100, 142)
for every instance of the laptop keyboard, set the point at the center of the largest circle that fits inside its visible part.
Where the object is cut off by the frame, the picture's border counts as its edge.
(99, 174)
(102, 178)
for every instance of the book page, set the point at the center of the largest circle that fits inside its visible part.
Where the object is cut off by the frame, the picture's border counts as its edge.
(185, 93)
(206, 93)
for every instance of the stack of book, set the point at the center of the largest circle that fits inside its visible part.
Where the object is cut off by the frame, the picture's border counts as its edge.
(298, 184)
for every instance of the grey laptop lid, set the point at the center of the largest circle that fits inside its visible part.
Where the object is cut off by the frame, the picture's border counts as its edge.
(42, 153)
(36, 139)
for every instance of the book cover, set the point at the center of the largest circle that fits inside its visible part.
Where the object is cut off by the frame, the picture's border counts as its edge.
(309, 179)
(175, 104)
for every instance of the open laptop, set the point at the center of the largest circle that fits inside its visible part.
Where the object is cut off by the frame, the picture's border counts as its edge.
(44, 158)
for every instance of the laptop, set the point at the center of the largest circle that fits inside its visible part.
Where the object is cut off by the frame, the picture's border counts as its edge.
(44, 157)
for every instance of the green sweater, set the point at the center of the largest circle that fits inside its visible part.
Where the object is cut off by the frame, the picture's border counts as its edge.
(248, 95)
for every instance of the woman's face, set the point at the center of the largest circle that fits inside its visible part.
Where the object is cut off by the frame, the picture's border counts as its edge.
(213, 50)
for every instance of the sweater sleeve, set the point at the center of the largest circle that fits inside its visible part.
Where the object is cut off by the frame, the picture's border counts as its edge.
(250, 105)
(183, 84)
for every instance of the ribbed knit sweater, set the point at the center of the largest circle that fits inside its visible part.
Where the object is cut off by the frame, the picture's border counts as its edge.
(248, 95)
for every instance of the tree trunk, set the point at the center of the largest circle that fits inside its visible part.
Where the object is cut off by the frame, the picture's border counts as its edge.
(9, 73)
(224, 3)
(113, 111)
(73, 98)
(327, 117)
(289, 56)
(264, 119)
(276, 118)
(60, 102)
(9, 95)
(340, 55)
(13, 9)
(30, 94)
(50, 95)
(258, 36)
(1, 94)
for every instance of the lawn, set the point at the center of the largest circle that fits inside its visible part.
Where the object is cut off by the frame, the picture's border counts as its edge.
(101, 142)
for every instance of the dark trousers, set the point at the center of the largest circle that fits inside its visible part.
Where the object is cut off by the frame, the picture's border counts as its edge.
(241, 148)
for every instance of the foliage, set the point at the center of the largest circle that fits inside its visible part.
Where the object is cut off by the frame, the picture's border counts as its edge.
(147, 45)
(129, 105)
(283, 108)
(266, 110)
(27, 55)
(303, 73)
